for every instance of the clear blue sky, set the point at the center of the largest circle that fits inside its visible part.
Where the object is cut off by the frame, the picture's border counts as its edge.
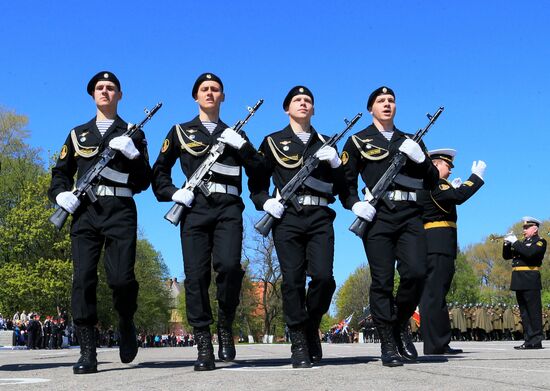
(486, 62)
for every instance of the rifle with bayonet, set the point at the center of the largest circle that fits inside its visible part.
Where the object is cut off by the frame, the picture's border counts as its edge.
(201, 177)
(85, 185)
(288, 193)
(379, 191)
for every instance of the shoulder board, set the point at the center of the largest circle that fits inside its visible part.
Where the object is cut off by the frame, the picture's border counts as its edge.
(540, 243)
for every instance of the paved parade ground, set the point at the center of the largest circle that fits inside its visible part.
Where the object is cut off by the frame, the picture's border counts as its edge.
(482, 366)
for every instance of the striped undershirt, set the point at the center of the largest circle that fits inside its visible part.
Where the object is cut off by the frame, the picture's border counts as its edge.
(304, 136)
(210, 126)
(102, 126)
(387, 134)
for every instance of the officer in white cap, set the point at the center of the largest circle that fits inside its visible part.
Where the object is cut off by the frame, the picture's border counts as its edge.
(527, 256)
(439, 217)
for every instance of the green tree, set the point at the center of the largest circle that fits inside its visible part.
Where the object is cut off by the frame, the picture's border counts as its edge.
(465, 284)
(353, 296)
(19, 162)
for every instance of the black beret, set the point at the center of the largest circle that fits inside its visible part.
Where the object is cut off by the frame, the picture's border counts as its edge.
(205, 77)
(379, 91)
(298, 90)
(103, 75)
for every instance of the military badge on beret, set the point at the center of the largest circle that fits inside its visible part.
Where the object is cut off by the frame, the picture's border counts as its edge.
(165, 145)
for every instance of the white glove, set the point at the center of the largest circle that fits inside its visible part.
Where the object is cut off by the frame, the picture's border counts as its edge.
(184, 196)
(330, 155)
(478, 168)
(274, 208)
(364, 210)
(456, 183)
(68, 201)
(511, 238)
(125, 145)
(413, 151)
(232, 138)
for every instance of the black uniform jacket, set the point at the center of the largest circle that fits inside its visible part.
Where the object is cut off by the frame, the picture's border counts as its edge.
(439, 206)
(190, 142)
(284, 154)
(82, 150)
(369, 153)
(528, 252)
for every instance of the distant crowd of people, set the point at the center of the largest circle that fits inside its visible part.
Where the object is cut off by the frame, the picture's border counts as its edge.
(473, 322)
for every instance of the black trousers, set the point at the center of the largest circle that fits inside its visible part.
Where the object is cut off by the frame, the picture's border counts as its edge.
(304, 242)
(434, 314)
(530, 308)
(396, 235)
(211, 235)
(111, 222)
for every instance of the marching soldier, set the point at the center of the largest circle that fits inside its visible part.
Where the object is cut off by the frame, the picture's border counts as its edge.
(212, 227)
(507, 323)
(109, 223)
(527, 258)
(304, 239)
(439, 216)
(395, 231)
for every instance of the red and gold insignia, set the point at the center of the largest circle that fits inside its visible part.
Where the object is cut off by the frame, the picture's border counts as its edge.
(444, 187)
(165, 145)
(345, 157)
(64, 151)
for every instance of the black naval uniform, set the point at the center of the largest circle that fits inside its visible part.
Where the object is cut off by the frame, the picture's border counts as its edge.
(439, 216)
(304, 239)
(527, 258)
(111, 222)
(211, 230)
(395, 234)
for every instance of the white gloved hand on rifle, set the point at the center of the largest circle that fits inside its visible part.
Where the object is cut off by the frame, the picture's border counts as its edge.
(125, 145)
(412, 150)
(232, 138)
(68, 201)
(329, 155)
(274, 208)
(184, 196)
(364, 210)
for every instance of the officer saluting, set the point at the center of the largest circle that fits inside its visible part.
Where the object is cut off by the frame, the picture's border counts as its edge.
(527, 256)
(110, 222)
(304, 239)
(439, 216)
(395, 231)
(211, 228)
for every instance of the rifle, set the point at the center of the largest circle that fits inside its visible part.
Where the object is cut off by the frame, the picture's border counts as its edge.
(85, 185)
(201, 176)
(288, 193)
(398, 161)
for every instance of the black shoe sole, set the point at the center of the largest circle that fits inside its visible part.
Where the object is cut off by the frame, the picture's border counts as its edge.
(392, 364)
(301, 366)
(205, 368)
(84, 371)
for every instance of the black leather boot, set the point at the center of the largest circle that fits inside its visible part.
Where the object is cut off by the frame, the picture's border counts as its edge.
(128, 340)
(404, 340)
(390, 357)
(226, 350)
(205, 359)
(87, 363)
(313, 342)
(300, 354)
